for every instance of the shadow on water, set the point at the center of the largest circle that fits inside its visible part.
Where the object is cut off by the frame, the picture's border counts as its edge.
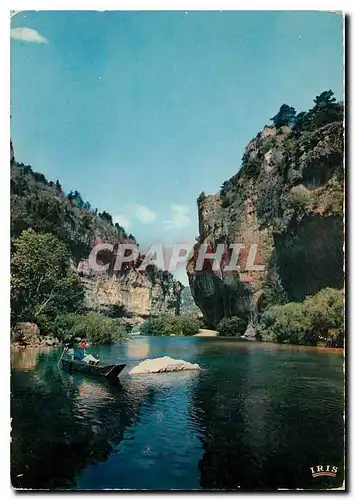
(62, 422)
(267, 415)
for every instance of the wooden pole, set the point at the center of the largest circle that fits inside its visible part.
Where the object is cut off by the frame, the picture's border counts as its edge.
(60, 359)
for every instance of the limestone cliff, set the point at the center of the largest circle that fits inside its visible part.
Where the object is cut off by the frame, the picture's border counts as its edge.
(287, 198)
(131, 292)
(43, 206)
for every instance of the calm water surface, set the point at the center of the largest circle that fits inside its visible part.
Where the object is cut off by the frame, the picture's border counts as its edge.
(256, 417)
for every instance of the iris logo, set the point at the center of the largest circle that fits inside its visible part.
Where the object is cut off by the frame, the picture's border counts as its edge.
(324, 470)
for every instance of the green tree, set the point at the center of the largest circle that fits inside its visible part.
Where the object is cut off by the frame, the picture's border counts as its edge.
(326, 109)
(106, 216)
(324, 100)
(58, 186)
(76, 198)
(285, 116)
(42, 280)
(303, 122)
(326, 313)
(285, 324)
(232, 327)
(201, 196)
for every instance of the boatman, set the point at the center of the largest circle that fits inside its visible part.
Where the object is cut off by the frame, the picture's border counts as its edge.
(81, 354)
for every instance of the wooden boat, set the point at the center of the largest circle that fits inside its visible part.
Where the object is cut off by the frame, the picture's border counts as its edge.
(110, 372)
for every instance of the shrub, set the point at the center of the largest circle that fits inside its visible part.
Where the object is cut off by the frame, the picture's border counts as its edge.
(201, 197)
(251, 166)
(225, 202)
(326, 313)
(285, 324)
(300, 196)
(170, 325)
(273, 293)
(317, 320)
(93, 326)
(232, 327)
(63, 325)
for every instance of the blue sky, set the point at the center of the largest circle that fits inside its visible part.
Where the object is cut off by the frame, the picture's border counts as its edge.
(141, 111)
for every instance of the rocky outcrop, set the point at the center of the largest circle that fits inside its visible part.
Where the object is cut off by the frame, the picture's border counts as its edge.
(164, 364)
(250, 333)
(26, 334)
(287, 199)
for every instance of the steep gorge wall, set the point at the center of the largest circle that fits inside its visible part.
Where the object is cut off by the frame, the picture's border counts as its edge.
(42, 205)
(131, 292)
(287, 198)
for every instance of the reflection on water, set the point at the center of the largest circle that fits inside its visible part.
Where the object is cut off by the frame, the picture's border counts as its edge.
(137, 348)
(266, 425)
(255, 417)
(27, 358)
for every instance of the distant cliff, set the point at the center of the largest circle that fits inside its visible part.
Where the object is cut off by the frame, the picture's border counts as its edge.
(131, 292)
(287, 198)
(43, 206)
(188, 306)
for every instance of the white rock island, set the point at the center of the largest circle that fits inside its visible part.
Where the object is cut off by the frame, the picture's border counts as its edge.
(164, 364)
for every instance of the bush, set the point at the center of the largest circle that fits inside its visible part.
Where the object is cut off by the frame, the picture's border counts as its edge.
(170, 325)
(285, 324)
(326, 313)
(273, 293)
(232, 327)
(319, 320)
(201, 197)
(225, 202)
(300, 196)
(63, 325)
(93, 326)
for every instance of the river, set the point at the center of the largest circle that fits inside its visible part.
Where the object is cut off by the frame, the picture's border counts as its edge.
(257, 417)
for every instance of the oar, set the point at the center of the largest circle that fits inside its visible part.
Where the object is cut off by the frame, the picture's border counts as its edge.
(60, 359)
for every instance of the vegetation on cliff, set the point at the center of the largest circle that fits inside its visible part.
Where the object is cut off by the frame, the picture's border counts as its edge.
(42, 205)
(287, 199)
(52, 232)
(309, 174)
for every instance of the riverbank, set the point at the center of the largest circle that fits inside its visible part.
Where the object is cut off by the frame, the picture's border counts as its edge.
(204, 332)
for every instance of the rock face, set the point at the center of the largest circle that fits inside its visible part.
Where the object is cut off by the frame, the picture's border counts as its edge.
(188, 306)
(131, 292)
(164, 364)
(287, 199)
(250, 333)
(26, 334)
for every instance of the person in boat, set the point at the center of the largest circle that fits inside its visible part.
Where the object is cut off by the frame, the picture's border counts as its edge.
(80, 354)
